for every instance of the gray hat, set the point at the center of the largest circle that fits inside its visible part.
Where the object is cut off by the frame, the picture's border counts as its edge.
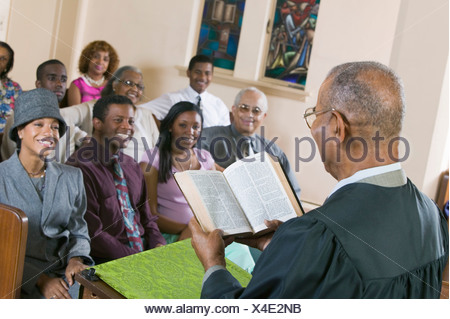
(36, 104)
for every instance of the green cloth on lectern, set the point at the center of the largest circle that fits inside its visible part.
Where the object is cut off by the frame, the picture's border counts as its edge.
(168, 272)
(240, 254)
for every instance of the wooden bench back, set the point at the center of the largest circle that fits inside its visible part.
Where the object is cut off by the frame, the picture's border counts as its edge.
(13, 241)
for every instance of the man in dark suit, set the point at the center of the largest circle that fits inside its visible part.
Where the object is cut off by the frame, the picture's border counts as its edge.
(229, 143)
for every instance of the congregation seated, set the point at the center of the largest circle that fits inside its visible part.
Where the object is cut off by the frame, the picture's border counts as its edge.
(118, 196)
(52, 197)
(176, 152)
(118, 214)
(97, 63)
(50, 75)
(127, 81)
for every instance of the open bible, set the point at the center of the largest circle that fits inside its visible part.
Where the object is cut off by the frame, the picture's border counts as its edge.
(240, 198)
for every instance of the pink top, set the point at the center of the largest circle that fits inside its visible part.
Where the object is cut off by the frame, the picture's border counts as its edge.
(171, 201)
(87, 92)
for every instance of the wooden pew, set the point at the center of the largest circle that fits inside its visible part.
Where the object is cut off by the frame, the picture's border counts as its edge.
(441, 199)
(13, 241)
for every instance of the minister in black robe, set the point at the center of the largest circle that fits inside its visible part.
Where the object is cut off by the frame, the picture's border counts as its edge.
(338, 250)
(376, 235)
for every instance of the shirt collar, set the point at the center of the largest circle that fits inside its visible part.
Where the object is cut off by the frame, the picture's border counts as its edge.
(239, 135)
(359, 175)
(97, 152)
(193, 93)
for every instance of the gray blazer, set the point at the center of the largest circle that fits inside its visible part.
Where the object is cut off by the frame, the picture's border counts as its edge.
(57, 230)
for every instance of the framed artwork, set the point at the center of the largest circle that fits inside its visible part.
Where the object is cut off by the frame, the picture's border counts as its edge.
(4, 15)
(291, 40)
(220, 30)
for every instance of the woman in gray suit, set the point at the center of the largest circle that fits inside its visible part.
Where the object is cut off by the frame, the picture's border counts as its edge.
(51, 195)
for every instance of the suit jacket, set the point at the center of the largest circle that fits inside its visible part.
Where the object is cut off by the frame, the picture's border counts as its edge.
(106, 225)
(57, 230)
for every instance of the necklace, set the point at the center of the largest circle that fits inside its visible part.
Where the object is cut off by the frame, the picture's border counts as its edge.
(92, 81)
(179, 163)
(39, 182)
(42, 169)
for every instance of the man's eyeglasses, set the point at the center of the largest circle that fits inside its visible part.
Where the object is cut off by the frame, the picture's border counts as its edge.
(244, 108)
(131, 84)
(311, 115)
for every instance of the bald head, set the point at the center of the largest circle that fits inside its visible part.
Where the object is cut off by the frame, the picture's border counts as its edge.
(370, 95)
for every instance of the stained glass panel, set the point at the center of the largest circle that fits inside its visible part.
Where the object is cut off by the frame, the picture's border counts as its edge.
(292, 36)
(220, 31)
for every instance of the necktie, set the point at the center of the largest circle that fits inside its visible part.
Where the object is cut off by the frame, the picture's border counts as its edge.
(199, 102)
(128, 213)
(246, 147)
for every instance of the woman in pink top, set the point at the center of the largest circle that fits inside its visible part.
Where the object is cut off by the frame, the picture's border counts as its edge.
(97, 63)
(175, 152)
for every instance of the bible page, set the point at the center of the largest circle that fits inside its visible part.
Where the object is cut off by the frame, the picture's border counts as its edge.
(219, 200)
(259, 190)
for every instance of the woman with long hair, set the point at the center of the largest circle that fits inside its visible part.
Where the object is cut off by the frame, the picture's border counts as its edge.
(176, 152)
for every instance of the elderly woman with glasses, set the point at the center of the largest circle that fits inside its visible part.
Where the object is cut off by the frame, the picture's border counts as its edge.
(127, 81)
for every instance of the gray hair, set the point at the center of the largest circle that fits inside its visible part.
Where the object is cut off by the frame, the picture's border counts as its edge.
(368, 93)
(108, 90)
(264, 106)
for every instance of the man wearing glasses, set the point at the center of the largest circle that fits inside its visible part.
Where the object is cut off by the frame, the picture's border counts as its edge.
(375, 236)
(227, 144)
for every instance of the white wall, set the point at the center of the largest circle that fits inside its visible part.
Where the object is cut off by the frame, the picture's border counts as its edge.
(420, 56)
(346, 31)
(4, 16)
(30, 33)
(159, 35)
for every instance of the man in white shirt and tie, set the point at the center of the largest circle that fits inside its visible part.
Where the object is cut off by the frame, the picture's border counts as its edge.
(200, 73)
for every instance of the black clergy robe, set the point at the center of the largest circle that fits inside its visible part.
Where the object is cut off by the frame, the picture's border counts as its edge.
(366, 241)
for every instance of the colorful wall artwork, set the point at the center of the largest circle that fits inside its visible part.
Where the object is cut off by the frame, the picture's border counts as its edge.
(294, 24)
(220, 31)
